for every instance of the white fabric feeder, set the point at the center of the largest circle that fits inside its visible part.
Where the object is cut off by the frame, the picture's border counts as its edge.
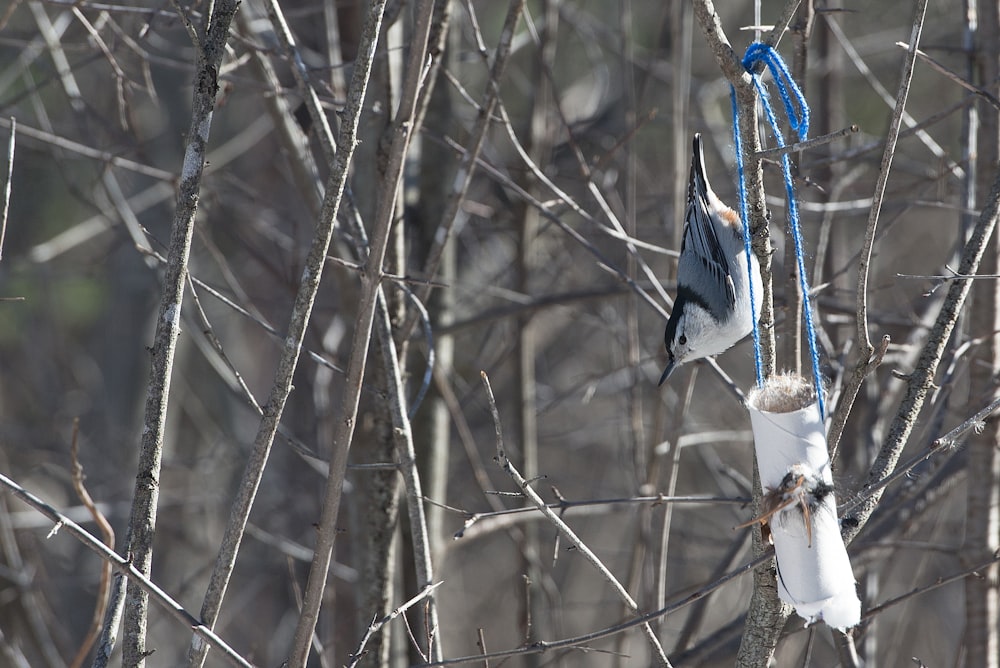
(814, 572)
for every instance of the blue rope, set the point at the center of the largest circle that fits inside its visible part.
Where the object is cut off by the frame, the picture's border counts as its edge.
(798, 119)
(758, 52)
(741, 186)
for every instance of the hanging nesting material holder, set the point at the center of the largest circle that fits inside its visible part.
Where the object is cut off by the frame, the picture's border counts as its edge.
(799, 510)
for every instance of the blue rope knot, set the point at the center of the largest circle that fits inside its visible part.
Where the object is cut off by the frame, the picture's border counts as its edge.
(798, 119)
(758, 52)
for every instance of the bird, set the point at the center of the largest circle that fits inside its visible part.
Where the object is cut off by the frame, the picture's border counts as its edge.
(712, 310)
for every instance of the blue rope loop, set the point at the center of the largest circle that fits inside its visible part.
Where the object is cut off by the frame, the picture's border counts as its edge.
(798, 119)
(798, 114)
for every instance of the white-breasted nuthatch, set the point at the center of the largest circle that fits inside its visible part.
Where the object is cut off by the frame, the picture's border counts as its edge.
(712, 310)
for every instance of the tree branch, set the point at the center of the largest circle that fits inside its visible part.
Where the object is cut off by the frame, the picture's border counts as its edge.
(107, 533)
(766, 615)
(5, 206)
(563, 528)
(368, 298)
(921, 379)
(126, 568)
(463, 174)
(142, 522)
(297, 327)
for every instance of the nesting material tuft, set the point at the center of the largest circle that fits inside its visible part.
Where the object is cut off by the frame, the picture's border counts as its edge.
(782, 393)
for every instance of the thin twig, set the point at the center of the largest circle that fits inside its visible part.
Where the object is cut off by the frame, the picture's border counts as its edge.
(109, 634)
(402, 434)
(86, 151)
(282, 384)
(543, 646)
(616, 230)
(921, 379)
(142, 521)
(463, 175)
(955, 276)
(7, 183)
(854, 153)
(846, 649)
(489, 521)
(772, 153)
(5, 17)
(892, 135)
(107, 534)
(973, 423)
(937, 583)
(377, 623)
(941, 444)
(868, 357)
(781, 25)
(954, 76)
(305, 172)
(126, 568)
(359, 267)
(933, 146)
(368, 299)
(544, 210)
(32, 609)
(266, 326)
(147, 198)
(121, 81)
(861, 371)
(58, 55)
(563, 528)
(481, 643)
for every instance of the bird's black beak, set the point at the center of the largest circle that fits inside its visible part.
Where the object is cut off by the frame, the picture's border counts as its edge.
(667, 372)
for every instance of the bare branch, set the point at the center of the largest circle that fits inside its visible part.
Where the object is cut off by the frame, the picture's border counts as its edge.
(767, 614)
(933, 146)
(781, 25)
(494, 520)
(920, 380)
(861, 371)
(142, 522)
(772, 153)
(7, 183)
(107, 533)
(126, 568)
(368, 298)
(109, 634)
(582, 640)
(872, 612)
(563, 528)
(868, 357)
(864, 340)
(377, 624)
(463, 175)
(942, 444)
(954, 76)
(757, 214)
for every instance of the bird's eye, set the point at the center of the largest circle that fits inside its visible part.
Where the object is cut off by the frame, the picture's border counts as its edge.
(683, 340)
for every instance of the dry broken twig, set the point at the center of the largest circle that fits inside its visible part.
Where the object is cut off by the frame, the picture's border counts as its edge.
(107, 534)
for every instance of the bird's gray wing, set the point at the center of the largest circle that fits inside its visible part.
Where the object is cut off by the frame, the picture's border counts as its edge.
(703, 265)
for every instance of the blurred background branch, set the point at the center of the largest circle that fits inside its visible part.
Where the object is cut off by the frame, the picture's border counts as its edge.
(523, 167)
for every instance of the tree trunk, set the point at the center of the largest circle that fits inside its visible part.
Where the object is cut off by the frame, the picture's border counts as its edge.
(982, 533)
